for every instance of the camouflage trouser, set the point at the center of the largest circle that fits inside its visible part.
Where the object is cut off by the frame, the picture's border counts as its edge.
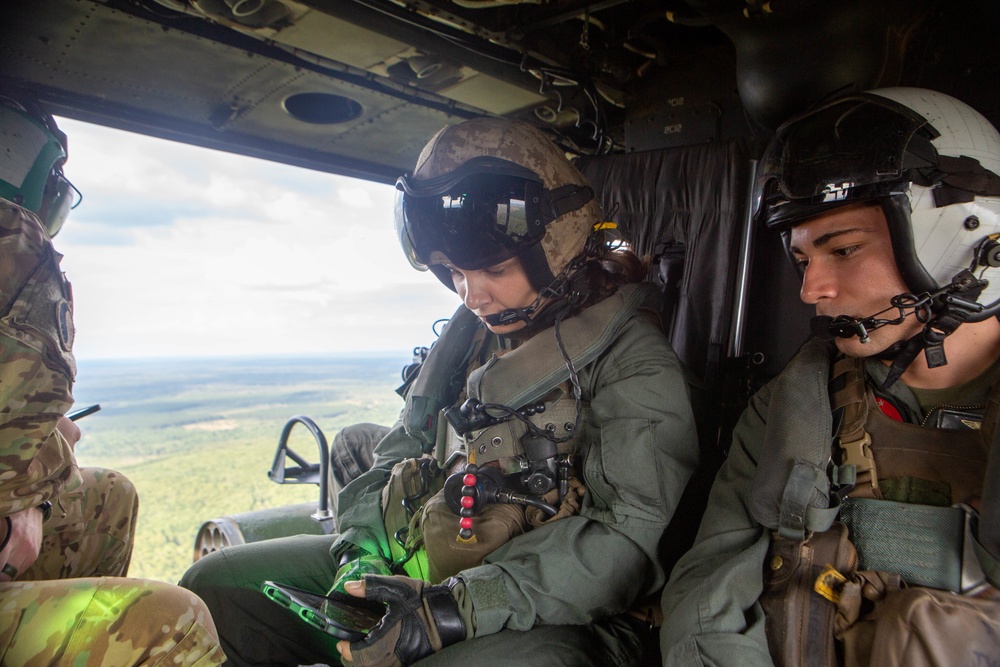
(105, 621)
(70, 607)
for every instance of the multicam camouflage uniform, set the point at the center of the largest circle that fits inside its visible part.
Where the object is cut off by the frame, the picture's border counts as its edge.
(71, 607)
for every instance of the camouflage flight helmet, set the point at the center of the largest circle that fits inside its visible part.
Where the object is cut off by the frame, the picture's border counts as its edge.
(34, 151)
(489, 189)
(929, 160)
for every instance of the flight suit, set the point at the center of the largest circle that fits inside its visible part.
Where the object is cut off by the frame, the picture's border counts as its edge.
(553, 595)
(71, 606)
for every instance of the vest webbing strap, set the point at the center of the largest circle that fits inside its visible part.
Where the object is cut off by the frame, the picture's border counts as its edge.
(853, 439)
(522, 375)
(537, 366)
(432, 389)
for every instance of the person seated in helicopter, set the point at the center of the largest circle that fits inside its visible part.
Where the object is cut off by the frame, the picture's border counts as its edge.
(523, 496)
(66, 532)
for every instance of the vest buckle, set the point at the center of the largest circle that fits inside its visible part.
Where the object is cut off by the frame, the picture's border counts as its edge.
(859, 454)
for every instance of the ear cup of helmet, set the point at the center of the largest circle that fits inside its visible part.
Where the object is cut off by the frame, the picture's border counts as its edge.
(944, 238)
(36, 150)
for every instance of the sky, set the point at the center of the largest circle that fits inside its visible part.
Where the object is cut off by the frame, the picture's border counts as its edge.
(181, 251)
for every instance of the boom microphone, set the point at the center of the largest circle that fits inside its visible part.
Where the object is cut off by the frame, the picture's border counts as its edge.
(844, 326)
(510, 316)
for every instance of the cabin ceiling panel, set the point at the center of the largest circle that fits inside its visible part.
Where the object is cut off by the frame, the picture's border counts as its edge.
(93, 62)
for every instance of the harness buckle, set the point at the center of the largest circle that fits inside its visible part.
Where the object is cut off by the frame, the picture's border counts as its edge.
(859, 454)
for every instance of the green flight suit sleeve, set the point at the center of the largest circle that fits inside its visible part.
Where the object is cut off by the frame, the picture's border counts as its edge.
(711, 612)
(360, 502)
(639, 451)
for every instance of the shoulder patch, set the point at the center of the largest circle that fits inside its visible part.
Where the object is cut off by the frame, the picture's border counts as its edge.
(64, 320)
(888, 409)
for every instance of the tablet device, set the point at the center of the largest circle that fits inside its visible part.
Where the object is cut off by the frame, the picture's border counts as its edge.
(343, 616)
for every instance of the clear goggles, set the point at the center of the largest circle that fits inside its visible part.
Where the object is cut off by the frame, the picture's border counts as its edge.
(855, 148)
(477, 216)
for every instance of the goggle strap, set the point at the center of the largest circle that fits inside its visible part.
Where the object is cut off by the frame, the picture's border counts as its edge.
(966, 173)
(475, 167)
(567, 198)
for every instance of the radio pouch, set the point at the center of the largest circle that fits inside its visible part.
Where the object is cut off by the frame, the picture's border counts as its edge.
(411, 483)
(447, 553)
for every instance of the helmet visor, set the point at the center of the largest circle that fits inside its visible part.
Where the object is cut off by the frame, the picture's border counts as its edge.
(61, 197)
(476, 222)
(858, 147)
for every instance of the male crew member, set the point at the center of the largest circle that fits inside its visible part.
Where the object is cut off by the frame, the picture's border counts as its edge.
(65, 533)
(843, 528)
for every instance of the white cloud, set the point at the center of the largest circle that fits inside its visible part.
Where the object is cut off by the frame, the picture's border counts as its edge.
(183, 251)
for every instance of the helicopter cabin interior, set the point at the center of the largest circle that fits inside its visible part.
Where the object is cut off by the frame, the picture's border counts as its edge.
(664, 104)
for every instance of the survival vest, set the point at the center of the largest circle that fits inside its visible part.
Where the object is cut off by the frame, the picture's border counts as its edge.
(916, 531)
(526, 375)
(531, 374)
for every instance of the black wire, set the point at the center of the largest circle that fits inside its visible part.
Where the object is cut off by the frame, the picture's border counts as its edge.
(429, 26)
(573, 377)
(600, 133)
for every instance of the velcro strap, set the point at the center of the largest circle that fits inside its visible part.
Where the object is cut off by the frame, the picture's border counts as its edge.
(804, 484)
(444, 613)
(920, 543)
(819, 520)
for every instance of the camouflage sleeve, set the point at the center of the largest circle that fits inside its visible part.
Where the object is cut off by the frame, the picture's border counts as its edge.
(36, 364)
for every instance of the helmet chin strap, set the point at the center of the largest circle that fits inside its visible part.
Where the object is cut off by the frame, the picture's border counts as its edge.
(564, 286)
(557, 291)
(942, 312)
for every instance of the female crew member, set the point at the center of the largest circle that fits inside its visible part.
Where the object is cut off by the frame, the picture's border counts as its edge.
(542, 451)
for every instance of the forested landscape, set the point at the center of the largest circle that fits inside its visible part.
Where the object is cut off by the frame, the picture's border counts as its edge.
(197, 437)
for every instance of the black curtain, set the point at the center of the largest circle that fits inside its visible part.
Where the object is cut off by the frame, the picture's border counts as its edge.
(695, 196)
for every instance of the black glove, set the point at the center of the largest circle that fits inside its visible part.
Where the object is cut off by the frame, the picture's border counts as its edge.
(420, 619)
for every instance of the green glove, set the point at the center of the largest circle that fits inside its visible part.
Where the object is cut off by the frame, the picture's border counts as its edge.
(355, 564)
(420, 619)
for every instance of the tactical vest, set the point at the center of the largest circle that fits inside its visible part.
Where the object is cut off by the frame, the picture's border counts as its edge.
(555, 413)
(952, 458)
(533, 373)
(799, 488)
(921, 535)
